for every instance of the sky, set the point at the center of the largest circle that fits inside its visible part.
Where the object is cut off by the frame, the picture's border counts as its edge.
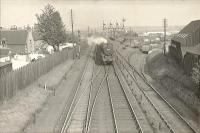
(93, 12)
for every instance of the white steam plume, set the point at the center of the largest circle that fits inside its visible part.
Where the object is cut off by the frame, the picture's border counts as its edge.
(96, 40)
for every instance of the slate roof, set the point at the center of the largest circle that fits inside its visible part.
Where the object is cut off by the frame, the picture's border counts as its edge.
(14, 36)
(4, 51)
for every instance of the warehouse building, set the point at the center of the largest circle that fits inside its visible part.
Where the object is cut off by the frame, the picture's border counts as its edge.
(188, 37)
(191, 57)
(185, 46)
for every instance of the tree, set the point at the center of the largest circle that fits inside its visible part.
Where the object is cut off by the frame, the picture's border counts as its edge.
(196, 74)
(50, 27)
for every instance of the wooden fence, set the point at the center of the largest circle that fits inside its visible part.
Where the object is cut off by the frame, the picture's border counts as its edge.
(24, 76)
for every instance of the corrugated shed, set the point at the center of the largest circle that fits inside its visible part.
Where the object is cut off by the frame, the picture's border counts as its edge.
(175, 51)
(185, 41)
(189, 35)
(189, 62)
(193, 50)
(191, 57)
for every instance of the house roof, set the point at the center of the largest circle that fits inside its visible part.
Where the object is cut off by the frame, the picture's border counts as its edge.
(191, 27)
(4, 51)
(14, 36)
(187, 31)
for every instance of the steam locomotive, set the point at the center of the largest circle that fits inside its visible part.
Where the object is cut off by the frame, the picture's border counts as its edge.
(104, 53)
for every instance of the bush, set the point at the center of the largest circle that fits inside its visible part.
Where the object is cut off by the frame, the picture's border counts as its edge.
(196, 74)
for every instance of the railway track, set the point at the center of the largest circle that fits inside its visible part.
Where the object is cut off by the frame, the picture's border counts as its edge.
(116, 114)
(71, 101)
(78, 119)
(172, 119)
(73, 118)
(123, 113)
(97, 87)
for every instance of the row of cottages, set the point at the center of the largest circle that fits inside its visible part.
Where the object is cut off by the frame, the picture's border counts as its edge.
(185, 46)
(17, 40)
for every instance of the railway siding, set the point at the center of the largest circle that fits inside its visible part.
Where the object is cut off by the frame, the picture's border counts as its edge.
(123, 112)
(101, 118)
(172, 118)
(140, 114)
(78, 115)
(62, 123)
(96, 85)
(152, 114)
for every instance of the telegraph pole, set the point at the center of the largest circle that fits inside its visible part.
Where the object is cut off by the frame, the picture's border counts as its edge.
(72, 25)
(130, 35)
(79, 43)
(164, 26)
(123, 21)
(88, 30)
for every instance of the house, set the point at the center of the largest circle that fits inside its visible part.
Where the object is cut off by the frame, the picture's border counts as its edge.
(188, 37)
(19, 41)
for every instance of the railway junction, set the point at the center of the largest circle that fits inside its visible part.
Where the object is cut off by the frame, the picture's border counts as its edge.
(100, 66)
(109, 98)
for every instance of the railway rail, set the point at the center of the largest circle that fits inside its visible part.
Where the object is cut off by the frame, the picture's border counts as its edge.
(124, 115)
(93, 99)
(76, 121)
(174, 121)
(71, 101)
(82, 108)
(120, 110)
(126, 112)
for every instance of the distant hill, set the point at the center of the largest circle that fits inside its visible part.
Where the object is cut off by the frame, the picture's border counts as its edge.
(141, 29)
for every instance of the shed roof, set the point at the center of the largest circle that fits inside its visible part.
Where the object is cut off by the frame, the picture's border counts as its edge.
(191, 27)
(187, 30)
(14, 36)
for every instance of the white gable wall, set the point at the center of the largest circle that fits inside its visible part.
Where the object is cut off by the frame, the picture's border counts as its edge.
(30, 42)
